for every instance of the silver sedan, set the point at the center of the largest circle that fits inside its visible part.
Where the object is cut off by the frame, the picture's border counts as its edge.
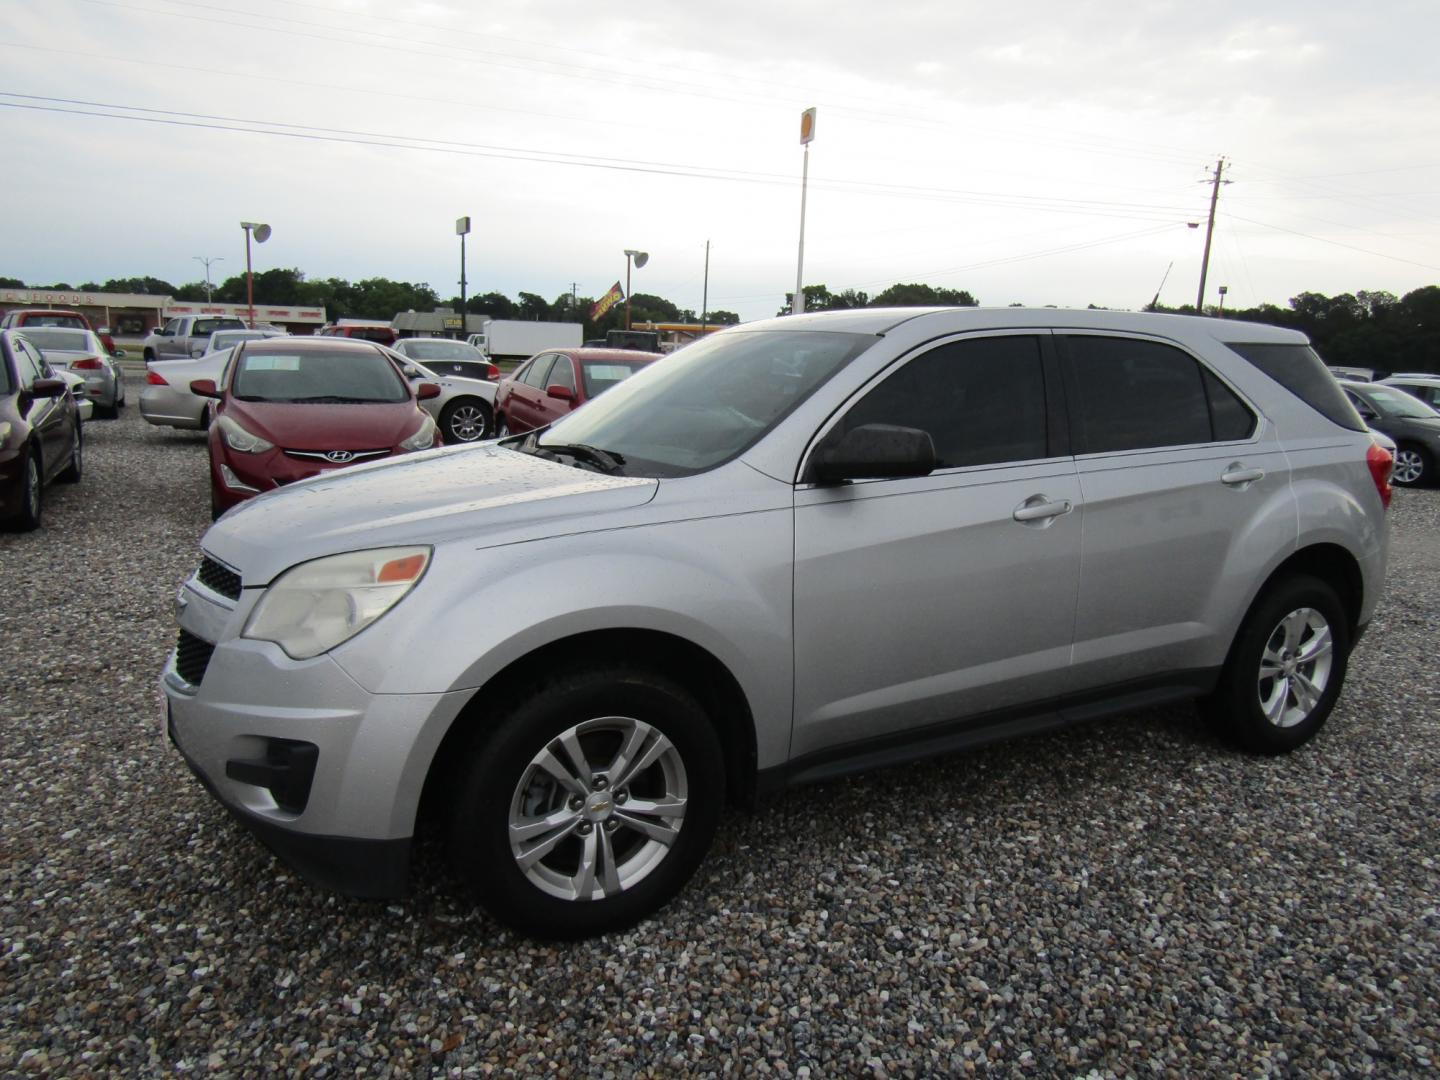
(166, 400)
(80, 352)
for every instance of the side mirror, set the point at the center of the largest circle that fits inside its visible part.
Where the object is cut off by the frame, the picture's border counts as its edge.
(560, 393)
(411, 373)
(118, 354)
(874, 452)
(426, 390)
(49, 388)
(162, 331)
(205, 388)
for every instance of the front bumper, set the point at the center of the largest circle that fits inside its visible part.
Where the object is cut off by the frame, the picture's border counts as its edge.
(350, 828)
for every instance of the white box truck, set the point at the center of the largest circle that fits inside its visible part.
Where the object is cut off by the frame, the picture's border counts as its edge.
(516, 339)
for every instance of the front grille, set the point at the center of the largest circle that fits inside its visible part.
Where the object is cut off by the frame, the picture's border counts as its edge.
(324, 455)
(220, 579)
(192, 657)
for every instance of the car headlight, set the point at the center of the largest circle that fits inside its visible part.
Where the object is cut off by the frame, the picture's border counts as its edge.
(315, 606)
(422, 439)
(237, 438)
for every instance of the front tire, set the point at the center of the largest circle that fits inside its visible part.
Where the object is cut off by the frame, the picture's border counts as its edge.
(1285, 668)
(589, 804)
(31, 497)
(466, 420)
(1413, 466)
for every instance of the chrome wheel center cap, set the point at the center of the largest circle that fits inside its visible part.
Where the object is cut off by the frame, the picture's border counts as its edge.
(599, 806)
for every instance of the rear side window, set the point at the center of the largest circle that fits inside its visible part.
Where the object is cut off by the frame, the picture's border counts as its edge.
(982, 401)
(1131, 394)
(1304, 374)
(539, 371)
(1230, 418)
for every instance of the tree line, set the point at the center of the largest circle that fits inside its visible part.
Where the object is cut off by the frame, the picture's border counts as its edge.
(1370, 329)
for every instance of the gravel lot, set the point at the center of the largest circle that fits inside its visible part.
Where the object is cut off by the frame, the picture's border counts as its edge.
(1126, 898)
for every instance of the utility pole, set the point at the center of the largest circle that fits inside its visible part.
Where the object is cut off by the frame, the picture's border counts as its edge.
(1209, 231)
(807, 133)
(462, 226)
(574, 297)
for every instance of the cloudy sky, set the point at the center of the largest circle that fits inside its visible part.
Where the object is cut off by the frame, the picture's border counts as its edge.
(1038, 152)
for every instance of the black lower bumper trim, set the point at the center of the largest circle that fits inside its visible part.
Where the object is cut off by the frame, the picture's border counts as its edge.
(364, 869)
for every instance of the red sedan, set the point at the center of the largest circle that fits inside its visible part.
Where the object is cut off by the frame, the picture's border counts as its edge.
(553, 384)
(290, 408)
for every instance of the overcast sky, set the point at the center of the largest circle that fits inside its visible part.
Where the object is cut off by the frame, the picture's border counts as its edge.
(1036, 152)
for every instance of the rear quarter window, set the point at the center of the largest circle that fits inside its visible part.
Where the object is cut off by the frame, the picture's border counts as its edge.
(1299, 369)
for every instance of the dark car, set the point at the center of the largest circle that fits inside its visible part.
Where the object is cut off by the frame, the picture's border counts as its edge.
(1413, 425)
(291, 408)
(40, 437)
(553, 384)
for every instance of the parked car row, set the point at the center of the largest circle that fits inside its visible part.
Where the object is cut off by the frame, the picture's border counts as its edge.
(1393, 408)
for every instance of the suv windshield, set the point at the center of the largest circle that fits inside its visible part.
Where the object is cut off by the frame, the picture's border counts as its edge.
(322, 377)
(706, 403)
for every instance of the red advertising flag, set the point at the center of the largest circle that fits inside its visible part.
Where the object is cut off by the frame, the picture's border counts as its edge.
(606, 302)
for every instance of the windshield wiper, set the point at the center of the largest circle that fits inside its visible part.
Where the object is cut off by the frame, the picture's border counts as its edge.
(603, 460)
(334, 399)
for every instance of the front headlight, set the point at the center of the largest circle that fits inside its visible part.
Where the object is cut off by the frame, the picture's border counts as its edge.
(422, 439)
(315, 606)
(237, 438)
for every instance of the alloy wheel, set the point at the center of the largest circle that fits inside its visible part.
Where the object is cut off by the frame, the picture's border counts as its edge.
(598, 808)
(1409, 466)
(1295, 667)
(467, 423)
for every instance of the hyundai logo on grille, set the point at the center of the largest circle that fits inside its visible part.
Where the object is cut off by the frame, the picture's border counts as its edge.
(339, 456)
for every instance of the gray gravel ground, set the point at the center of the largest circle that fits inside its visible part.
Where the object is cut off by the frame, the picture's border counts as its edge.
(1126, 898)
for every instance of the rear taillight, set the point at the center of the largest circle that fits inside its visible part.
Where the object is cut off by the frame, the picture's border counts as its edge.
(86, 363)
(493, 373)
(1381, 462)
(155, 379)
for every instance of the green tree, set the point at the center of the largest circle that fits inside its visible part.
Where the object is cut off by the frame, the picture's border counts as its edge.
(916, 295)
(11, 283)
(533, 307)
(722, 318)
(146, 286)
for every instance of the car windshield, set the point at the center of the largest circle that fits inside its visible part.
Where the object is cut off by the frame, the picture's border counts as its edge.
(319, 376)
(59, 340)
(600, 375)
(440, 350)
(1398, 403)
(703, 405)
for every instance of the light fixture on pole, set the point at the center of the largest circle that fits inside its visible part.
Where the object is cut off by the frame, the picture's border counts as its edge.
(207, 262)
(462, 226)
(640, 258)
(262, 233)
(1223, 290)
(807, 133)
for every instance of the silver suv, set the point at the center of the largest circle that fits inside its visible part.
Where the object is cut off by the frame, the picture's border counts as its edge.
(795, 549)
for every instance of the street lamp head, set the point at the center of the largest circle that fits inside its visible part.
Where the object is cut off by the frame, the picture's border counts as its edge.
(260, 231)
(640, 257)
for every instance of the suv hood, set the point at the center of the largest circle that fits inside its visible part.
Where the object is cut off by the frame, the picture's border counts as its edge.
(486, 493)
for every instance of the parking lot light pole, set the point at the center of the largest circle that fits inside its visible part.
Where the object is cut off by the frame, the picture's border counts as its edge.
(640, 258)
(807, 133)
(200, 258)
(262, 233)
(462, 226)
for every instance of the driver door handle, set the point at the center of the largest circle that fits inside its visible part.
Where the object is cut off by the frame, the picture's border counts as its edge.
(1038, 508)
(1236, 474)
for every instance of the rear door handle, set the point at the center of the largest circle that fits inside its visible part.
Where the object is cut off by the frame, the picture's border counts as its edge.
(1039, 508)
(1237, 475)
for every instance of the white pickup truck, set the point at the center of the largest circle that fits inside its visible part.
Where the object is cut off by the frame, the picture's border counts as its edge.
(179, 337)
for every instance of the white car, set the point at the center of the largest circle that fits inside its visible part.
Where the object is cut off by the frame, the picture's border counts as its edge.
(222, 340)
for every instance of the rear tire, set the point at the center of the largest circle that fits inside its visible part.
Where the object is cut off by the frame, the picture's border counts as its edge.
(1285, 669)
(76, 468)
(502, 429)
(466, 420)
(555, 828)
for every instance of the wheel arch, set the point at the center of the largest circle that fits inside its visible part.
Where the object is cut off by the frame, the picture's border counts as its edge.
(1333, 565)
(695, 668)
